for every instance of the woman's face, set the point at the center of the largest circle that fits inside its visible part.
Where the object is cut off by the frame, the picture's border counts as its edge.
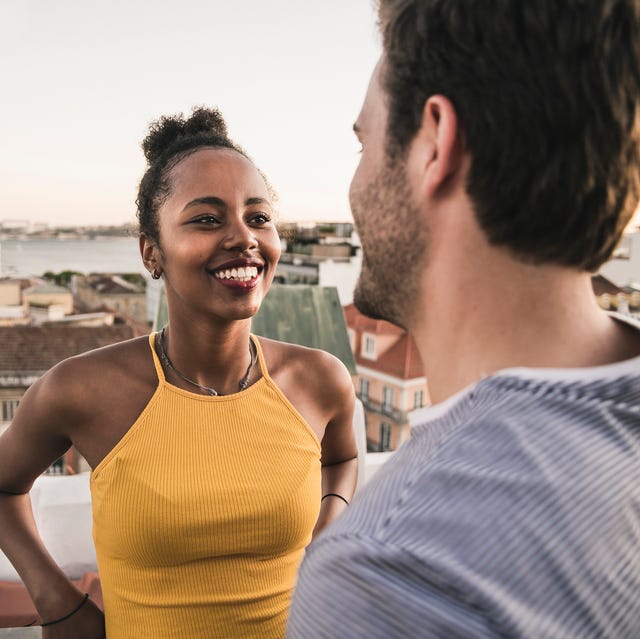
(218, 242)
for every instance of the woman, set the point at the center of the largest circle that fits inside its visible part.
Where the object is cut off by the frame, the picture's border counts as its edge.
(209, 447)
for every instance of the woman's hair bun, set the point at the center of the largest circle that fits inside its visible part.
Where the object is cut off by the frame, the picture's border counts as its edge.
(167, 130)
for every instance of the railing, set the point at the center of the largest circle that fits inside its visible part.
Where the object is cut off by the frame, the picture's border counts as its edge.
(398, 416)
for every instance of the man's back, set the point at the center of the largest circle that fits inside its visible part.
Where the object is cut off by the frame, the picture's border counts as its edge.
(513, 510)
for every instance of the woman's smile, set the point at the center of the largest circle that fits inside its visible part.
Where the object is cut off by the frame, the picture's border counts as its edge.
(239, 274)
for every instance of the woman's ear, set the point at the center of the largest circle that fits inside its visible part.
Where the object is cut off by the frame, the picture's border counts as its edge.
(150, 255)
(436, 152)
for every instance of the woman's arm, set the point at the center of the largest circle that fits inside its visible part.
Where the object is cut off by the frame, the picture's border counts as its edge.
(339, 450)
(36, 438)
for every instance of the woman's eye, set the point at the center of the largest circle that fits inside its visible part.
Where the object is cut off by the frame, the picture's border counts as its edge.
(260, 218)
(206, 219)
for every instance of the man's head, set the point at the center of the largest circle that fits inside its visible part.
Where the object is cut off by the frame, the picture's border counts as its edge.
(546, 95)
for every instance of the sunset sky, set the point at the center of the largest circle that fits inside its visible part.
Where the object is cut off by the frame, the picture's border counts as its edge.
(82, 79)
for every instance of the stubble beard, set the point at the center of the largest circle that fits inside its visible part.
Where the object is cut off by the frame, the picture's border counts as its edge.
(394, 245)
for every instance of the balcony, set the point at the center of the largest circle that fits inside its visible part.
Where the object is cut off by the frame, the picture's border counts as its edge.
(398, 416)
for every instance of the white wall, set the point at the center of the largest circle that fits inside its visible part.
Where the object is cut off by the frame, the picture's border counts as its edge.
(624, 270)
(342, 275)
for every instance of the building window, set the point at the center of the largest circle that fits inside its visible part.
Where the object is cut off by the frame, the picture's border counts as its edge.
(9, 408)
(385, 436)
(387, 398)
(364, 389)
(369, 347)
(418, 399)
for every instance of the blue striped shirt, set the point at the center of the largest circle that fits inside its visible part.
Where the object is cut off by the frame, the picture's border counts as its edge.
(512, 511)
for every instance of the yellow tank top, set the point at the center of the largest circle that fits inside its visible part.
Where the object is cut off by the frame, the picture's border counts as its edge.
(202, 511)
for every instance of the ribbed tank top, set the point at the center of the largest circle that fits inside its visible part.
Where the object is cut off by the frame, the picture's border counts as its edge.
(202, 511)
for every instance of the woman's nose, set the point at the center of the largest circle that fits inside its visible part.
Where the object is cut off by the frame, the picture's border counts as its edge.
(240, 237)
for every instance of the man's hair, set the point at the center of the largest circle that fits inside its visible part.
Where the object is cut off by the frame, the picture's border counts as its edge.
(547, 94)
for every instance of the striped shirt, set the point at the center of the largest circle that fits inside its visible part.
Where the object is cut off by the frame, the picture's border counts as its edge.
(512, 511)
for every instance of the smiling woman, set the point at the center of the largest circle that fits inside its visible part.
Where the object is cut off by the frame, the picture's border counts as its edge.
(210, 448)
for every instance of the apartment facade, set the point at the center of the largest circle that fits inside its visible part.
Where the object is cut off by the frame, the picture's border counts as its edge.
(389, 378)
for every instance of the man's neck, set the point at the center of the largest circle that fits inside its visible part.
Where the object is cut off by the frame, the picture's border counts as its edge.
(478, 318)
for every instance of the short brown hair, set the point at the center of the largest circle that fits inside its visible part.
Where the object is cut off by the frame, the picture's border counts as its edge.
(547, 93)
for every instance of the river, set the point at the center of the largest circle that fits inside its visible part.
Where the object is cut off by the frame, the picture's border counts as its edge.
(22, 258)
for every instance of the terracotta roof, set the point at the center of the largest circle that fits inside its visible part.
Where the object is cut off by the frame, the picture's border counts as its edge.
(401, 359)
(38, 348)
(359, 322)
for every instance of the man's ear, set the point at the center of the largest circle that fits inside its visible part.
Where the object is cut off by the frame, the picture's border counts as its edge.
(150, 254)
(436, 152)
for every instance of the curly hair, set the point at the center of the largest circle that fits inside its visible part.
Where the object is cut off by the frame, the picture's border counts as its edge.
(170, 140)
(547, 94)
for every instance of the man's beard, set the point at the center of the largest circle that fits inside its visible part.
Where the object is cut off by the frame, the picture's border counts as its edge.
(393, 240)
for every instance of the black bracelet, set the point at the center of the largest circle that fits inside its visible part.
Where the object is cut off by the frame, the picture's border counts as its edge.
(73, 612)
(335, 495)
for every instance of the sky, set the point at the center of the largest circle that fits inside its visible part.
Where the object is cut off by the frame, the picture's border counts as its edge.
(82, 79)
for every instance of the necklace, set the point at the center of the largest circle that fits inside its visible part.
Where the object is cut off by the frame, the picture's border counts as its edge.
(243, 383)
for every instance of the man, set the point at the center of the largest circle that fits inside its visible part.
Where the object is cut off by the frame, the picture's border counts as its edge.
(500, 165)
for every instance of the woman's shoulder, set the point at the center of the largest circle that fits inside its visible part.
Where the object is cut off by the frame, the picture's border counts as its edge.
(310, 364)
(112, 355)
(79, 374)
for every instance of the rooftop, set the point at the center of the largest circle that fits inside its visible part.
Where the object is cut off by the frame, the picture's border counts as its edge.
(38, 348)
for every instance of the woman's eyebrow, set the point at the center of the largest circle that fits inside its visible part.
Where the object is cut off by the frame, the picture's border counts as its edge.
(220, 203)
(257, 200)
(209, 199)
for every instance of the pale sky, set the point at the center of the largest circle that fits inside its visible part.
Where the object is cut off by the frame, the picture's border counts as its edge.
(82, 79)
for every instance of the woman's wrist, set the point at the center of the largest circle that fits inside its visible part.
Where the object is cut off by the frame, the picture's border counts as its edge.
(68, 614)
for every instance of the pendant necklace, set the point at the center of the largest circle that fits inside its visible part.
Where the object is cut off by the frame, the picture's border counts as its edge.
(243, 383)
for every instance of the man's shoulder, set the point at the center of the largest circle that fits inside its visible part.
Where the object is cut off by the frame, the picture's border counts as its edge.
(509, 455)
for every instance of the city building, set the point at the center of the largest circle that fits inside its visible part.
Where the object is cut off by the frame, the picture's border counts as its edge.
(122, 293)
(623, 269)
(320, 255)
(389, 381)
(46, 302)
(12, 310)
(622, 299)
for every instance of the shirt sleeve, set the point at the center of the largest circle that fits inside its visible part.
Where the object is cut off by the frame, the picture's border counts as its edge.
(357, 587)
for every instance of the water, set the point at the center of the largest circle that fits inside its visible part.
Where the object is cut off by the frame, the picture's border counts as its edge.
(22, 258)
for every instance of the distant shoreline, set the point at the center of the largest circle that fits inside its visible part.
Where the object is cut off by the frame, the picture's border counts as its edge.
(33, 256)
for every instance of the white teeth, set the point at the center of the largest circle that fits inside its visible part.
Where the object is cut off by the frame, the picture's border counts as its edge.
(242, 274)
